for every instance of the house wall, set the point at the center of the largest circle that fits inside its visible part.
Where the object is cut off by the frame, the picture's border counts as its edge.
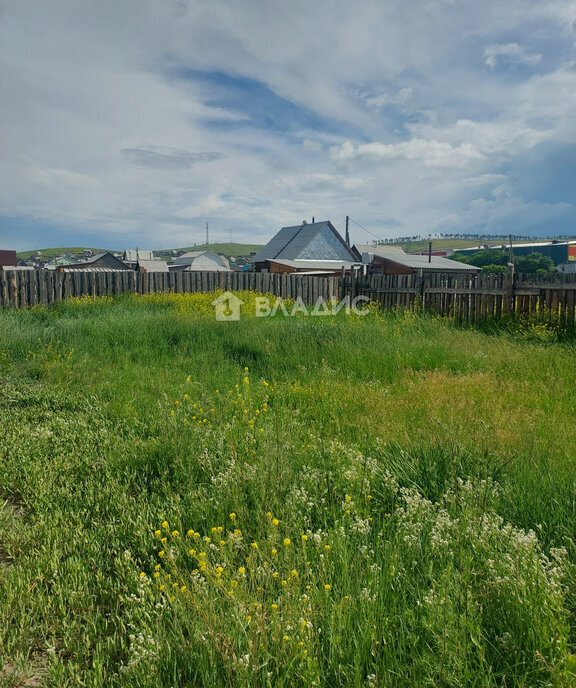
(271, 266)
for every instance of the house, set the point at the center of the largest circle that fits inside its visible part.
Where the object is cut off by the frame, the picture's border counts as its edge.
(131, 256)
(392, 260)
(317, 241)
(104, 261)
(196, 261)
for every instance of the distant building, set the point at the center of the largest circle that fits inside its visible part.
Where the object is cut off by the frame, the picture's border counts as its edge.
(392, 260)
(317, 241)
(131, 256)
(101, 261)
(195, 261)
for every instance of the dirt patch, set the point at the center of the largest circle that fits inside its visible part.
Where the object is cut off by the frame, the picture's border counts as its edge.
(31, 677)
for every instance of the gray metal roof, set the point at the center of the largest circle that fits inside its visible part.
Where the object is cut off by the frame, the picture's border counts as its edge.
(153, 265)
(114, 263)
(133, 255)
(289, 242)
(191, 254)
(397, 255)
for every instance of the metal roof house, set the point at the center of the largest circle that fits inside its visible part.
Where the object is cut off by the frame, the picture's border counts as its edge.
(392, 260)
(131, 256)
(100, 260)
(317, 241)
(195, 261)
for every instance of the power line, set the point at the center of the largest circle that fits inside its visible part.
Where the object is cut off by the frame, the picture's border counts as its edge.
(366, 230)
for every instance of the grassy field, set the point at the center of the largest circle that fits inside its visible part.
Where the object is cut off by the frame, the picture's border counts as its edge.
(379, 500)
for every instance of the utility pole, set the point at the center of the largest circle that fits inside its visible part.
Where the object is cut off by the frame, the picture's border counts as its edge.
(207, 236)
(347, 232)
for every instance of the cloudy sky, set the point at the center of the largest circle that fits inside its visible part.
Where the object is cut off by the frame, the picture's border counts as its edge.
(136, 122)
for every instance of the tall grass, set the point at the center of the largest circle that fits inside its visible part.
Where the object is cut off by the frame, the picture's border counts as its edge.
(380, 500)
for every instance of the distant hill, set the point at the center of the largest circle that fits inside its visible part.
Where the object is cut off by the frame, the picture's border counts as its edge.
(66, 250)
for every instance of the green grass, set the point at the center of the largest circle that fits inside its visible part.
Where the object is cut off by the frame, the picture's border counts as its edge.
(228, 249)
(423, 474)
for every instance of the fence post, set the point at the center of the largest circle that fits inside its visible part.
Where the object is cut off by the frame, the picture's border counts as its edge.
(419, 289)
(510, 290)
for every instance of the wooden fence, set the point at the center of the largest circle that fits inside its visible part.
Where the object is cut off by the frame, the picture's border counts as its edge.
(468, 298)
(27, 288)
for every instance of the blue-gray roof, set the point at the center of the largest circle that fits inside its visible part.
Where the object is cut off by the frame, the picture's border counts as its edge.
(315, 241)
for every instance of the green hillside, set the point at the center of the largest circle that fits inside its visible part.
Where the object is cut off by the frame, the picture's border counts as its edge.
(53, 252)
(227, 249)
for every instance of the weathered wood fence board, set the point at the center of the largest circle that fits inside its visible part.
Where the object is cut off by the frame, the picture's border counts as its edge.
(467, 298)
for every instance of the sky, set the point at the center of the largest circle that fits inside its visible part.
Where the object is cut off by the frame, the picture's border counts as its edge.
(133, 123)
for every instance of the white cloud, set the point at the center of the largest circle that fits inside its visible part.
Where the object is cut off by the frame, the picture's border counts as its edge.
(509, 52)
(376, 101)
(428, 152)
(100, 134)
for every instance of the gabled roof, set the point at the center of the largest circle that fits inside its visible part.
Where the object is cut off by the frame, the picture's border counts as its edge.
(290, 243)
(192, 254)
(110, 261)
(397, 255)
(133, 255)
